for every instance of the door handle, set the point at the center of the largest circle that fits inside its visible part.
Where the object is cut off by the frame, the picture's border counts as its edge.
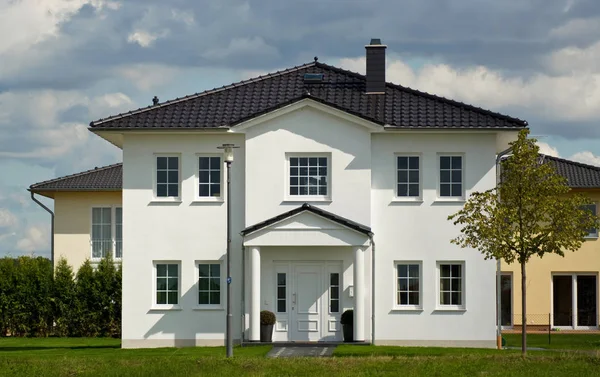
(294, 298)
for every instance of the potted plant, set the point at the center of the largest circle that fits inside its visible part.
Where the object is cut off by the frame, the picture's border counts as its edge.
(267, 320)
(347, 321)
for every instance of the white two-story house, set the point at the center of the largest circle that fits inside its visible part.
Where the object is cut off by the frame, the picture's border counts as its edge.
(340, 192)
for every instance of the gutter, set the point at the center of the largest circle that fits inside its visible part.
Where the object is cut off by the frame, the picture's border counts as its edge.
(243, 326)
(51, 226)
(498, 262)
(372, 288)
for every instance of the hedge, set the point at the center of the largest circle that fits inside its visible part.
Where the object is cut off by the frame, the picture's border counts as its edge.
(35, 302)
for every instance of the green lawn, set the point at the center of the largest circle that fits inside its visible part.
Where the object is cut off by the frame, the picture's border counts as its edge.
(103, 357)
(558, 341)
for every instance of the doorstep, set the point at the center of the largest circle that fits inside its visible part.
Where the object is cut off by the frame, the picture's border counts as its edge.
(303, 344)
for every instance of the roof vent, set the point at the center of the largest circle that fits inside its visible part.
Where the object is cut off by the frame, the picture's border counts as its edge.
(311, 78)
(155, 100)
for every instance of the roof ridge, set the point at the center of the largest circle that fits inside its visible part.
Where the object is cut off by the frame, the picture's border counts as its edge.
(203, 93)
(426, 94)
(577, 163)
(95, 170)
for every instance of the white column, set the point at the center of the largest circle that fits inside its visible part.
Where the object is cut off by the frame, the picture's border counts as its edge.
(254, 293)
(359, 294)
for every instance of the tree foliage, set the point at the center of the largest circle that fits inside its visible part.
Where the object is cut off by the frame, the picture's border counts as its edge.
(530, 213)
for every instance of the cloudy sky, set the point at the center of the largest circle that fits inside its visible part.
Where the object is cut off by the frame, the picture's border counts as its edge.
(64, 63)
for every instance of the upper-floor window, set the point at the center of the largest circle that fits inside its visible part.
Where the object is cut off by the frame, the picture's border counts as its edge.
(209, 176)
(451, 176)
(308, 176)
(106, 236)
(407, 176)
(592, 232)
(167, 176)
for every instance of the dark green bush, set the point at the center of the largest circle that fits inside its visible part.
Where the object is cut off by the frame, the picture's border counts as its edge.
(347, 317)
(267, 318)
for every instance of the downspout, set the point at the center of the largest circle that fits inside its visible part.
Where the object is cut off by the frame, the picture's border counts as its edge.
(51, 227)
(243, 326)
(372, 288)
(499, 262)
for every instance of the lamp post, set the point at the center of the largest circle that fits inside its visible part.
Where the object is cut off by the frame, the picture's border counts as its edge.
(228, 156)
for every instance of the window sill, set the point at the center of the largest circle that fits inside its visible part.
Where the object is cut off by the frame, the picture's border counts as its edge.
(595, 237)
(407, 309)
(166, 200)
(208, 199)
(160, 308)
(450, 200)
(306, 199)
(208, 307)
(450, 309)
(407, 200)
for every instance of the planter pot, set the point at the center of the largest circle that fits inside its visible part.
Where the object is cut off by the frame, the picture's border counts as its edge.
(348, 330)
(266, 333)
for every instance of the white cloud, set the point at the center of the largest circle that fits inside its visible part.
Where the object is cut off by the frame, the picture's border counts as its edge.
(586, 157)
(145, 38)
(576, 61)
(34, 239)
(243, 46)
(576, 28)
(546, 149)
(148, 76)
(187, 16)
(7, 218)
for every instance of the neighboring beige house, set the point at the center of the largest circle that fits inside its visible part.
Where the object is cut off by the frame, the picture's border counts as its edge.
(88, 214)
(560, 291)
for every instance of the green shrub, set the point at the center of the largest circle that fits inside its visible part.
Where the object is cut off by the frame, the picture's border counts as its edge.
(267, 318)
(64, 299)
(347, 317)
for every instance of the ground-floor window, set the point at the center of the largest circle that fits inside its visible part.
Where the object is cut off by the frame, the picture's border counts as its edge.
(209, 283)
(167, 283)
(408, 284)
(506, 300)
(451, 288)
(574, 300)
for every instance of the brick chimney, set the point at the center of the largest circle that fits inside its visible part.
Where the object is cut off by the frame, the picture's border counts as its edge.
(375, 67)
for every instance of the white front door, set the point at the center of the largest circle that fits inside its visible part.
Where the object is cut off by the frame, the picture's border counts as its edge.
(308, 301)
(306, 304)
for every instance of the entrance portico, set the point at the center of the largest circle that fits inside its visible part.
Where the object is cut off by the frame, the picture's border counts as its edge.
(307, 266)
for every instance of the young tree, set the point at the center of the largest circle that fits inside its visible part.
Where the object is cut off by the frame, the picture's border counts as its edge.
(64, 298)
(528, 214)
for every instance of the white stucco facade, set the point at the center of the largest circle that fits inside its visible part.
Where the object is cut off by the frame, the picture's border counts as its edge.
(317, 255)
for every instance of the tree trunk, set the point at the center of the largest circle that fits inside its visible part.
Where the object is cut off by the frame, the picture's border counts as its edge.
(524, 306)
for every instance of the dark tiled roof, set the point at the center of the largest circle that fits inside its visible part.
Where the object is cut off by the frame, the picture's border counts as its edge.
(227, 106)
(318, 211)
(577, 174)
(106, 178)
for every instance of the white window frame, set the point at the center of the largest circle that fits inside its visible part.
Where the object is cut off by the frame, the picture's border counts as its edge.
(223, 279)
(463, 287)
(155, 197)
(197, 197)
(418, 198)
(460, 198)
(574, 304)
(113, 231)
(340, 287)
(396, 305)
(593, 235)
(307, 198)
(155, 305)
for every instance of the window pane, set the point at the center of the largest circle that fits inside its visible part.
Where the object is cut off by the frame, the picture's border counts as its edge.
(456, 270)
(96, 215)
(172, 298)
(161, 270)
(281, 306)
(172, 284)
(203, 284)
(161, 298)
(335, 306)
(161, 284)
(161, 190)
(456, 285)
(335, 293)
(403, 296)
(413, 285)
(204, 270)
(280, 292)
(203, 163)
(456, 162)
(173, 163)
(215, 270)
(203, 176)
(456, 176)
(293, 161)
(334, 279)
(161, 162)
(215, 284)
(403, 189)
(215, 176)
(445, 298)
(281, 279)
(293, 190)
(456, 190)
(107, 234)
(303, 190)
(413, 190)
(173, 268)
(323, 161)
(414, 270)
(119, 215)
(293, 181)
(445, 270)
(313, 171)
(215, 298)
(204, 190)
(413, 298)
(303, 161)
(215, 190)
(444, 162)
(456, 298)
(322, 171)
(312, 161)
(445, 285)
(312, 190)
(293, 171)
(173, 176)
(413, 176)
(402, 176)
(402, 270)
(161, 176)
(413, 162)
(323, 190)
(402, 284)
(445, 176)
(303, 171)
(203, 298)
(215, 163)
(174, 190)
(402, 162)
(444, 190)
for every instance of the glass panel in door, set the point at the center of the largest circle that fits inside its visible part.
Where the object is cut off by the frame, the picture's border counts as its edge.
(506, 300)
(563, 300)
(586, 301)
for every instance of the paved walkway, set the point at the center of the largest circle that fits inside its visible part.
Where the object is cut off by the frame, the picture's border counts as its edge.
(303, 351)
